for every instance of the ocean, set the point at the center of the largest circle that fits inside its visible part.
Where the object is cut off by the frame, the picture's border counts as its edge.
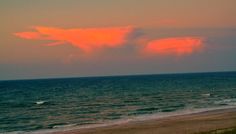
(47, 105)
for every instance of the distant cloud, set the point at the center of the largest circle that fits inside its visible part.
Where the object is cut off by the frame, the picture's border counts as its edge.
(90, 40)
(87, 39)
(173, 46)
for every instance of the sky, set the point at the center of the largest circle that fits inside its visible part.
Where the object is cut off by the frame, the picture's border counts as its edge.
(77, 38)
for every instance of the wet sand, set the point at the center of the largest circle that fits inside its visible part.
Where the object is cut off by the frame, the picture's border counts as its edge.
(181, 124)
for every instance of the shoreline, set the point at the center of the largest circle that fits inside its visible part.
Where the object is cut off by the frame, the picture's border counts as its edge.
(178, 124)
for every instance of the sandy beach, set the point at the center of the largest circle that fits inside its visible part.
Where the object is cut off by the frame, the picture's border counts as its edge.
(181, 124)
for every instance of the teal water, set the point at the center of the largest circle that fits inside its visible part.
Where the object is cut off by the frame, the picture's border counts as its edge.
(32, 105)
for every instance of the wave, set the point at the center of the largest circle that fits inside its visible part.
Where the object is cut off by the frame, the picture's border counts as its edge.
(64, 126)
(15, 132)
(206, 95)
(40, 102)
(231, 101)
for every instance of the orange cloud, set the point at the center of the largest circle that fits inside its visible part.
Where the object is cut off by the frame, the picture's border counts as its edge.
(91, 39)
(88, 39)
(29, 35)
(173, 46)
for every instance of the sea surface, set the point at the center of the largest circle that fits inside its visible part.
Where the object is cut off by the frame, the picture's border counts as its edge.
(46, 105)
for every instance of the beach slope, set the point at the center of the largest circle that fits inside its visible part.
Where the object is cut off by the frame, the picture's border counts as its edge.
(181, 124)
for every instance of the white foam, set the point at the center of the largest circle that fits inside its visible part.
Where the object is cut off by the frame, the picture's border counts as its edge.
(64, 126)
(206, 95)
(231, 101)
(40, 102)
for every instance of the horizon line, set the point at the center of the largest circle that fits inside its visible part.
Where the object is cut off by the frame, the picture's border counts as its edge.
(116, 75)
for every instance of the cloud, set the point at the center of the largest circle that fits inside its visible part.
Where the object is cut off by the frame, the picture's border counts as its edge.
(29, 35)
(173, 46)
(87, 39)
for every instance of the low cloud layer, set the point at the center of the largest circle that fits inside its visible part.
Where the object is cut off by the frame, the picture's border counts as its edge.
(90, 40)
